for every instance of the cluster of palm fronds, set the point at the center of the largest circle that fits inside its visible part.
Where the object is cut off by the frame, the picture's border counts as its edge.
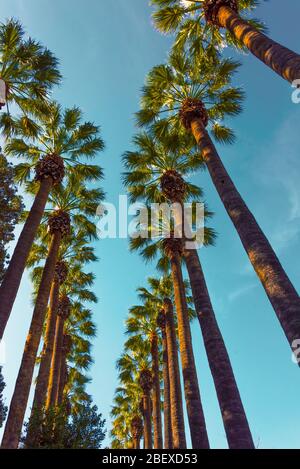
(55, 154)
(184, 105)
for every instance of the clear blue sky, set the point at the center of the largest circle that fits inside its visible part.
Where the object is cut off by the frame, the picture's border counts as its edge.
(106, 47)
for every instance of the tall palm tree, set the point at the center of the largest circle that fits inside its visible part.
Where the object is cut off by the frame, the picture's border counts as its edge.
(135, 365)
(168, 437)
(59, 143)
(195, 95)
(142, 321)
(161, 294)
(74, 204)
(157, 170)
(28, 71)
(198, 23)
(173, 249)
(62, 346)
(74, 252)
(127, 422)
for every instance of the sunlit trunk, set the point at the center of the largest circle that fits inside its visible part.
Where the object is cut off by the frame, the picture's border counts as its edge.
(281, 293)
(281, 60)
(156, 399)
(168, 444)
(191, 387)
(12, 279)
(177, 419)
(14, 423)
(233, 413)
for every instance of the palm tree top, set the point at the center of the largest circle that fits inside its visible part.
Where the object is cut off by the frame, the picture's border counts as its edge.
(193, 23)
(28, 69)
(153, 158)
(60, 132)
(169, 86)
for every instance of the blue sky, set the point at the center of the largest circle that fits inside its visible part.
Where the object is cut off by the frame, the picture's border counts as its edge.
(106, 48)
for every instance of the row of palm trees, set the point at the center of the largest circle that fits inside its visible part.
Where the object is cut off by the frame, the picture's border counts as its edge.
(57, 165)
(184, 105)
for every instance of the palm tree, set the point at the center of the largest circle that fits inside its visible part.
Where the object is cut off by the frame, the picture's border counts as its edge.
(142, 322)
(161, 294)
(192, 100)
(172, 248)
(62, 346)
(157, 171)
(57, 144)
(168, 438)
(74, 204)
(135, 365)
(28, 72)
(74, 252)
(198, 23)
(146, 383)
(127, 424)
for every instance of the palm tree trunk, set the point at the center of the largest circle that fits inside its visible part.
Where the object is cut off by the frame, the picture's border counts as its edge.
(234, 418)
(62, 378)
(157, 423)
(13, 427)
(11, 282)
(53, 384)
(177, 418)
(168, 444)
(191, 387)
(44, 370)
(281, 293)
(281, 60)
(147, 421)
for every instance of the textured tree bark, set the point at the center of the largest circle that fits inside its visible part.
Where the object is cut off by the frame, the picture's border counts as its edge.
(11, 282)
(14, 423)
(281, 60)
(62, 378)
(52, 392)
(168, 444)
(177, 418)
(234, 418)
(40, 394)
(147, 421)
(191, 387)
(157, 423)
(280, 291)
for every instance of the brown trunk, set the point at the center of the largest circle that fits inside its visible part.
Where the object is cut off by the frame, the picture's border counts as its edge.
(281, 60)
(44, 370)
(168, 444)
(280, 291)
(233, 413)
(13, 427)
(62, 378)
(191, 387)
(53, 384)
(177, 418)
(157, 424)
(11, 282)
(147, 421)
(136, 443)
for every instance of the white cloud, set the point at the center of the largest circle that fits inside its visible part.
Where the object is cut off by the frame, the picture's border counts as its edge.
(278, 168)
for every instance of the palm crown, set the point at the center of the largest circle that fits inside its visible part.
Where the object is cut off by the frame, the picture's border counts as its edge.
(155, 157)
(191, 21)
(60, 132)
(28, 69)
(169, 87)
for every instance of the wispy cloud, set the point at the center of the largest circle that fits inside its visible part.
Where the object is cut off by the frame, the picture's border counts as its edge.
(236, 294)
(279, 170)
